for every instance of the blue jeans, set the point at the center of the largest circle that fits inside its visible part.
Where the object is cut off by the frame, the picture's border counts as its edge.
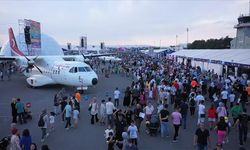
(164, 129)
(201, 147)
(110, 120)
(184, 120)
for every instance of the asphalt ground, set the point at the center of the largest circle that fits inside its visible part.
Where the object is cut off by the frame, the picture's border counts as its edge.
(87, 136)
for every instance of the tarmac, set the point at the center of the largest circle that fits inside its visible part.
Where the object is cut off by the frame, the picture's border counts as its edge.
(87, 136)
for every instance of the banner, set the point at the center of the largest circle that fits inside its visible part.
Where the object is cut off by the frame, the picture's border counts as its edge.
(35, 36)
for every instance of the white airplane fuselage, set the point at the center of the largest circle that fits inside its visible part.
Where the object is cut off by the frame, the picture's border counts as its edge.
(59, 71)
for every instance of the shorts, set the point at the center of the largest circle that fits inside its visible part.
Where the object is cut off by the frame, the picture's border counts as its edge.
(211, 119)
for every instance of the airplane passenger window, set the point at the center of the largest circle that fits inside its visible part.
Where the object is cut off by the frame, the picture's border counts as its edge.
(81, 69)
(87, 69)
(72, 70)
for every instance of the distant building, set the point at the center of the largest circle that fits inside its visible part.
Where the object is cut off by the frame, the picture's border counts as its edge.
(242, 39)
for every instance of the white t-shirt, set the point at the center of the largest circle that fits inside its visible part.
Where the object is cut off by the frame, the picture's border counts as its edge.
(109, 108)
(133, 131)
(75, 114)
(103, 109)
(117, 94)
(224, 94)
(232, 97)
(68, 110)
(149, 110)
(201, 109)
(107, 131)
(199, 98)
(51, 119)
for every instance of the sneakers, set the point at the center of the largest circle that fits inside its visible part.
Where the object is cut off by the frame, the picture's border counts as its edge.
(42, 140)
(174, 141)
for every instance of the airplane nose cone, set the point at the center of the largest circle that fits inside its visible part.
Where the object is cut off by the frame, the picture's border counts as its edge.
(94, 81)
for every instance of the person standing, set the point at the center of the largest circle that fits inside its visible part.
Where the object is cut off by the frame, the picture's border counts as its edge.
(103, 113)
(117, 97)
(148, 111)
(222, 129)
(14, 110)
(212, 116)
(164, 114)
(138, 119)
(20, 111)
(236, 111)
(63, 104)
(94, 110)
(176, 119)
(184, 111)
(201, 112)
(68, 111)
(15, 141)
(127, 97)
(75, 117)
(202, 138)
(26, 140)
(56, 104)
(43, 124)
(133, 132)
(109, 111)
(243, 120)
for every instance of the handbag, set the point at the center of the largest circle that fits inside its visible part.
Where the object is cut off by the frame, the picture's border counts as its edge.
(90, 107)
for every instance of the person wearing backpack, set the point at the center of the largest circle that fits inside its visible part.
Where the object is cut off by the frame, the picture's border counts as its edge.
(242, 121)
(192, 106)
(43, 124)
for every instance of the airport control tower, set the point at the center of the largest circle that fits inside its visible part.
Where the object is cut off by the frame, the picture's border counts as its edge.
(242, 39)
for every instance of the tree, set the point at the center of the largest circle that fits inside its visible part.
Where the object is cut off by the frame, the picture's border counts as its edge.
(222, 43)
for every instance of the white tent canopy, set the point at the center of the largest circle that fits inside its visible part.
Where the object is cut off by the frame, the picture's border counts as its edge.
(240, 56)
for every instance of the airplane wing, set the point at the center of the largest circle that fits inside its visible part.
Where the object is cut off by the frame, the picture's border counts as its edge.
(7, 58)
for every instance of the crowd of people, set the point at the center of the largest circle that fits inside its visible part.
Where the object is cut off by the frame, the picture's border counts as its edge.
(163, 92)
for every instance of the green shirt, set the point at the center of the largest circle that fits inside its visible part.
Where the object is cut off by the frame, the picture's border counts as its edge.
(236, 111)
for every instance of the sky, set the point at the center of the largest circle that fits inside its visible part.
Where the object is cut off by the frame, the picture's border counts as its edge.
(125, 22)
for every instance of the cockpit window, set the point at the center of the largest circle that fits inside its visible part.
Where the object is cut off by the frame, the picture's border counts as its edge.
(87, 69)
(81, 69)
(73, 70)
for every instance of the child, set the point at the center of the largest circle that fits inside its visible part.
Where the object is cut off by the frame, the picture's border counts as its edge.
(107, 131)
(52, 121)
(75, 117)
(103, 113)
(111, 141)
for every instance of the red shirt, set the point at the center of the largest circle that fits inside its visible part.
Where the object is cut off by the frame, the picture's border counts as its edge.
(211, 113)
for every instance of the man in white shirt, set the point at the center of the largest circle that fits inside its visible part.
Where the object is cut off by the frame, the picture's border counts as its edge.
(224, 96)
(201, 112)
(199, 98)
(109, 111)
(116, 97)
(68, 112)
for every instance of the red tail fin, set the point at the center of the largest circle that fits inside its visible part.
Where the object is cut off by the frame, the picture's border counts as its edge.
(13, 45)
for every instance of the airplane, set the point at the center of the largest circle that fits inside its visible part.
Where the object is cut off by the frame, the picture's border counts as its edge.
(46, 70)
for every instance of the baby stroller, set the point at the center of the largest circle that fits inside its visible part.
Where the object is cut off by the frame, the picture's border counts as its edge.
(27, 112)
(4, 142)
(153, 125)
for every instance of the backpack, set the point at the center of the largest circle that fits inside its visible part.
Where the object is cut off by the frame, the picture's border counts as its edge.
(192, 102)
(41, 122)
(244, 120)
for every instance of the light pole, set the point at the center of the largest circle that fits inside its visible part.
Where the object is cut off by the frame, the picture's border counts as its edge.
(187, 37)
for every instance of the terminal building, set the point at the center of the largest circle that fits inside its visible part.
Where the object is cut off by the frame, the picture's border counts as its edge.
(242, 39)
